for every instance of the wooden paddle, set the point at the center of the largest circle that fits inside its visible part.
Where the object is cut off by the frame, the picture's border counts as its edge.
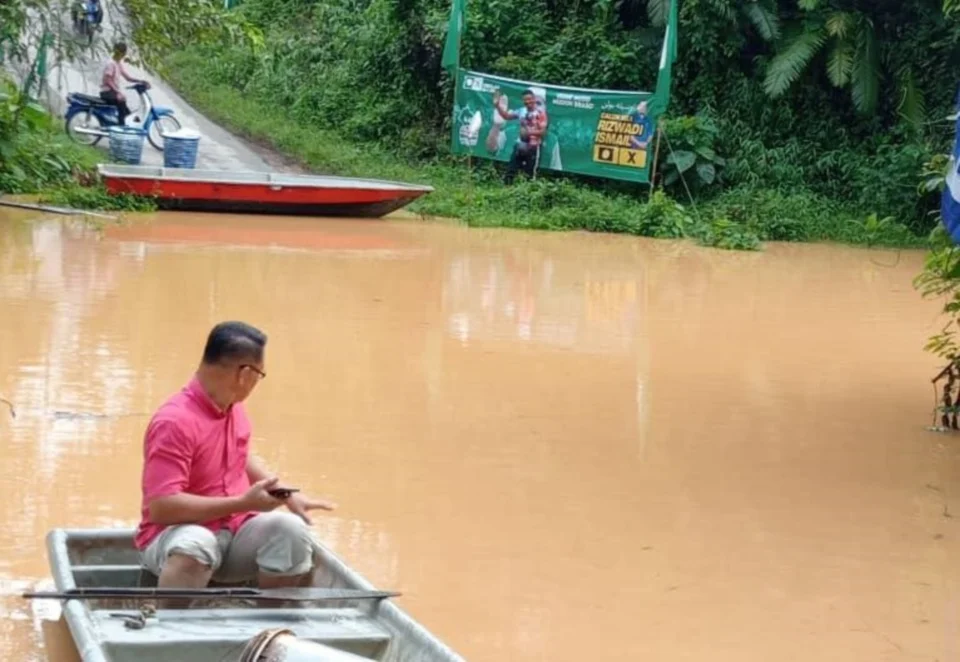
(297, 594)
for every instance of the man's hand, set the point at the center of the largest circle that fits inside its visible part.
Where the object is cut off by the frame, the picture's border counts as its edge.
(300, 505)
(257, 498)
(496, 98)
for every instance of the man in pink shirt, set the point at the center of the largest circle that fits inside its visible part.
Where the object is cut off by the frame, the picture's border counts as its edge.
(207, 502)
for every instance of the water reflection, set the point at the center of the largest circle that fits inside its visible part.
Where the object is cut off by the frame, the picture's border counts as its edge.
(512, 295)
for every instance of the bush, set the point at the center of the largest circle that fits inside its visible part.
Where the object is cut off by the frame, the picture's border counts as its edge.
(729, 235)
(691, 157)
(34, 153)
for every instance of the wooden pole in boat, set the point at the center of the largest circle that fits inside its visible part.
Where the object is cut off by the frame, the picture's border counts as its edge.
(295, 594)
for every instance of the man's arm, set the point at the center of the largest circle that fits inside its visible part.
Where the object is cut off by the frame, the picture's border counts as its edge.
(123, 72)
(166, 474)
(256, 469)
(298, 504)
(503, 113)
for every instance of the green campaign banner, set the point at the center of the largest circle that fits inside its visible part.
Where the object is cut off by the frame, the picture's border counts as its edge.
(604, 133)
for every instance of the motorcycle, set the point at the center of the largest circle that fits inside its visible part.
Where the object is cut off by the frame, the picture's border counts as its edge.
(87, 17)
(88, 118)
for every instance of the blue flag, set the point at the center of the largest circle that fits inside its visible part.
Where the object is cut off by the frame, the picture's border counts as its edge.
(950, 205)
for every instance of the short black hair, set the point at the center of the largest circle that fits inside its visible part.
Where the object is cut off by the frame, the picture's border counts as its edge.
(120, 46)
(234, 341)
(526, 92)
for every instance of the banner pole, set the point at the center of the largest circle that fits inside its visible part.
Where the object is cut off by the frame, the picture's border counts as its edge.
(470, 178)
(656, 157)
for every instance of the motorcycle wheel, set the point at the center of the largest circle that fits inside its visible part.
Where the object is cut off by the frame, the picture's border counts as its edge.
(159, 126)
(83, 119)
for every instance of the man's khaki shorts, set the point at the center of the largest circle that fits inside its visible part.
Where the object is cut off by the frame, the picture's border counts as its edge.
(275, 543)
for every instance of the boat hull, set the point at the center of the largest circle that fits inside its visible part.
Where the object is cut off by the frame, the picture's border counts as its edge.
(107, 558)
(345, 210)
(260, 193)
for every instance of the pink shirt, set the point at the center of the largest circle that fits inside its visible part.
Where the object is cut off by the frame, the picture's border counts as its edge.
(192, 446)
(110, 80)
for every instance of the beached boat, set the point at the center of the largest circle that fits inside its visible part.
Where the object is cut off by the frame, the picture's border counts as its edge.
(207, 632)
(260, 192)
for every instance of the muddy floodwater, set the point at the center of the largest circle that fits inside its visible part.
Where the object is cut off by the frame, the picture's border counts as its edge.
(559, 447)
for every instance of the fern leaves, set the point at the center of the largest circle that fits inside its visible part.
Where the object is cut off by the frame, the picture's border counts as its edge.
(764, 19)
(657, 11)
(865, 84)
(787, 66)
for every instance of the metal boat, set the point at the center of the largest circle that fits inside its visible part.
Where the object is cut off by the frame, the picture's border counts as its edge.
(260, 192)
(209, 631)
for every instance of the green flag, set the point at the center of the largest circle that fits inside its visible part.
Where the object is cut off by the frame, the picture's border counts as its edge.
(451, 49)
(667, 56)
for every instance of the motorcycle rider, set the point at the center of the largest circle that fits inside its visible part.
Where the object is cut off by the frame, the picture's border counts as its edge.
(80, 7)
(110, 83)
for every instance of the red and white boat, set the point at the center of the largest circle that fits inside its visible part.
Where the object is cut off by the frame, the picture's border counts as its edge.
(260, 192)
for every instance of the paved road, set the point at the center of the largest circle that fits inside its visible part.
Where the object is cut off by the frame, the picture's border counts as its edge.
(219, 149)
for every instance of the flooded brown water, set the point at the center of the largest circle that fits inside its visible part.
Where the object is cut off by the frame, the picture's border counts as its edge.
(560, 447)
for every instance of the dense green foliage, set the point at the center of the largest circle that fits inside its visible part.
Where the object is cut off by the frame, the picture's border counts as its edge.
(941, 278)
(856, 113)
(791, 119)
(34, 154)
(736, 218)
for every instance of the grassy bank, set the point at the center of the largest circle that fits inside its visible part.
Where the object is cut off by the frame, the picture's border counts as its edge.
(737, 218)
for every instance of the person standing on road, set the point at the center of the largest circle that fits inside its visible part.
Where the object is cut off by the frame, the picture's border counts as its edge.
(207, 501)
(110, 82)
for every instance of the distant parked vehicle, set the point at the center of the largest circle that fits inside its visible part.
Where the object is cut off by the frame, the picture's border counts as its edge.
(87, 16)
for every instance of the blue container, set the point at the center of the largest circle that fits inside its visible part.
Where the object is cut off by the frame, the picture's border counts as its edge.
(180, 149)
(126, 144)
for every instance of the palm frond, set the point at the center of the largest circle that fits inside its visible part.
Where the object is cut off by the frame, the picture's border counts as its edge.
(865, 83)
(764, 19)
(657, 11)
(808, 5)
(840, 63)
(725, 8)
(840, 24)
(912, 104)
(787, 65)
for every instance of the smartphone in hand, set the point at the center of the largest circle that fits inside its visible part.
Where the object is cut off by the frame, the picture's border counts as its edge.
(282, 493)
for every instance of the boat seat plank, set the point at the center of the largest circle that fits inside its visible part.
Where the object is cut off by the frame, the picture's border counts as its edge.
(217, 631)
(119, 576)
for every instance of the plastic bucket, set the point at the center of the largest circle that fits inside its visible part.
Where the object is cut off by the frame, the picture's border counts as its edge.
(126, 144)
(180, 149)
